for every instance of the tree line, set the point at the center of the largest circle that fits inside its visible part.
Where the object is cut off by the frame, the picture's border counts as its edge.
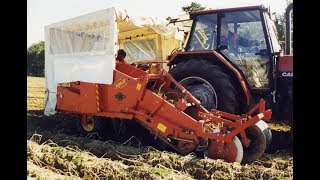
(35, 59)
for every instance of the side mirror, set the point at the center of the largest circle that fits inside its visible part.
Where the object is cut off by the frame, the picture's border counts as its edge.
(223, 47)
(262, 52)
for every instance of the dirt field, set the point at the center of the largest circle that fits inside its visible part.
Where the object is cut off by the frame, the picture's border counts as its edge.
(55, 150)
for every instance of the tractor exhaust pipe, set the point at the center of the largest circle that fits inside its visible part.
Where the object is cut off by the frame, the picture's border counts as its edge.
(288, 29)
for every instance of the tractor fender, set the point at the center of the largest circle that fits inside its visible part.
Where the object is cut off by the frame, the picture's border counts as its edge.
(214, 56)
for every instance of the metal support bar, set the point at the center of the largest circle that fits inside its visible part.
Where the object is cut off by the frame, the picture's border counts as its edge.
(288, 28)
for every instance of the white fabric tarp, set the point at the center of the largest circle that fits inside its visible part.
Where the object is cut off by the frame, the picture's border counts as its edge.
(84, 48)
(79, 49)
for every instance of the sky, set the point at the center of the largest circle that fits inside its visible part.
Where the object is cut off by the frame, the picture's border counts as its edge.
(45, 12)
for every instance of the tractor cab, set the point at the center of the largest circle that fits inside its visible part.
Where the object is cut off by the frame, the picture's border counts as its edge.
(232, 58)
(246, 37)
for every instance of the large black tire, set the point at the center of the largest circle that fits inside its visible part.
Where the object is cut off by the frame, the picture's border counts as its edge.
(208, 83)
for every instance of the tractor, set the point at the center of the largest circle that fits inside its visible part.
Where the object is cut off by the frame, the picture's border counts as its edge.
(234, 77)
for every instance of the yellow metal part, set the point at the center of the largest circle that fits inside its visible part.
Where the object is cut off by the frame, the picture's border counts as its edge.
(97, 98)
(120, 83)
(162, 127)
(153, 69)
(138, 87)
(87, 123)
(203, 36)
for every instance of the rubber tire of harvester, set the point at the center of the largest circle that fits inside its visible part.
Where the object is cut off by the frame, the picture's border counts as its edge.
(267, 131)
(99, 126)
(225, 91)
(255, 134)
(268, 135)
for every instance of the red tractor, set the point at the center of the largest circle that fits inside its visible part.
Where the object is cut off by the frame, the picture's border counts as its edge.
(232, 70)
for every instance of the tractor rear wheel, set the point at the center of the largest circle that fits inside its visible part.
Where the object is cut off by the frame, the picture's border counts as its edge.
(208, 83)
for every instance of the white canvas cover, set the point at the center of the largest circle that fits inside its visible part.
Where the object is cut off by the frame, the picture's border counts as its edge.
(84, 48)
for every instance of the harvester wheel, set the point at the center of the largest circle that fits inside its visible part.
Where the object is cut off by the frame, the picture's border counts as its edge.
(208, 83)
(88, 124)
(257, 145)
(233, 152)
(267, 132)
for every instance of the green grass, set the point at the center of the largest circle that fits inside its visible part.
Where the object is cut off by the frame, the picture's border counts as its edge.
(160, 171)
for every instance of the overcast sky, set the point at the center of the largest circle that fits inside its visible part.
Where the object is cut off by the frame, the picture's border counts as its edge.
(44, 12)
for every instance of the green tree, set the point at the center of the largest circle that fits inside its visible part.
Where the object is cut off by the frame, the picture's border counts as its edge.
(193, 7)
(280, 22)
(35, 59)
